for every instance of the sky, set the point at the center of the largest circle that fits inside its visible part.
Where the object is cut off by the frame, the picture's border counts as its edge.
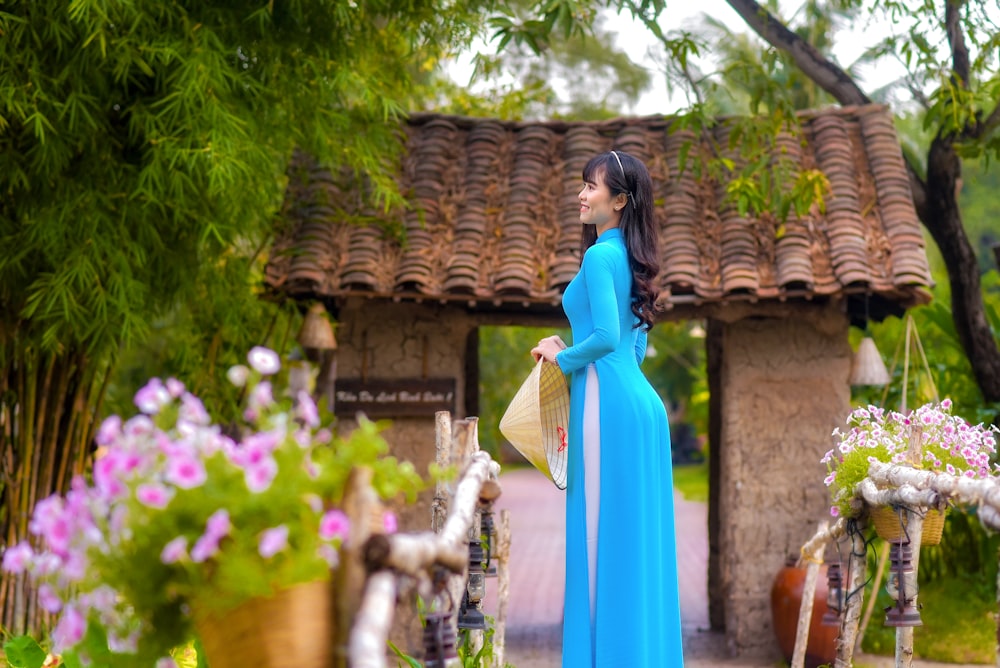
(636, 41)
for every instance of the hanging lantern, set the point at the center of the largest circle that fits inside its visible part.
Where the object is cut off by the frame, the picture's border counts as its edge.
(317, 332)
(834, 595)
(440, 649)
(902, 587)
(868, 367)
(470, 614)
(489, 531)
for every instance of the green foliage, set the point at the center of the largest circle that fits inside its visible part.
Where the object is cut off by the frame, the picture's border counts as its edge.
(24, 652)
(691, 480)
(142, 142)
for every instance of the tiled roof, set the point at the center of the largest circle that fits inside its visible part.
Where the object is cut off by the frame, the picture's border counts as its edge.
(495, 217)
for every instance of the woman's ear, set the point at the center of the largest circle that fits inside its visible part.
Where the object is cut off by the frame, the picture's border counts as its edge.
(621, 199)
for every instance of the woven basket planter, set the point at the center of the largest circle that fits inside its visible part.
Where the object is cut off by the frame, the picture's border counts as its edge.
(291, 628)
(889, 527)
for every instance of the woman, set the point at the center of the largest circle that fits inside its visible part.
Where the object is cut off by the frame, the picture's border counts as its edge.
(621, 603)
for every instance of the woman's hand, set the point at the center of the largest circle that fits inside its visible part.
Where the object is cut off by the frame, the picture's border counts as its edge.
(547, 349)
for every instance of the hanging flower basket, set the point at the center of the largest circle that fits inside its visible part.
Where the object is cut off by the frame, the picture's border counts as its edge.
(292, 628)
(890, 527)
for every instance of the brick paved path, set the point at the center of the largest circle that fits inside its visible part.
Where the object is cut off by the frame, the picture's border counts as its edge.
(534, 612)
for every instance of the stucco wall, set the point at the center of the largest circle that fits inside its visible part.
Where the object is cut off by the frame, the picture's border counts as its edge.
(784, 390)
(405, 340)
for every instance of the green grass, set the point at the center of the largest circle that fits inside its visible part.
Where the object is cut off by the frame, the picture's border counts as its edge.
(959, 617)
(691, 480)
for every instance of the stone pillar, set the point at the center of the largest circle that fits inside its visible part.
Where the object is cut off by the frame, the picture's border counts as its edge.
(786, 388)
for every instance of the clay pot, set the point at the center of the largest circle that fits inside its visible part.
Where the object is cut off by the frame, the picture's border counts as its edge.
(786, 599)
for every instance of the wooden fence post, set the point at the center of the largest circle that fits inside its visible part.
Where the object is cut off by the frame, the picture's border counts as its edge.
(806, 605)
(503, 589)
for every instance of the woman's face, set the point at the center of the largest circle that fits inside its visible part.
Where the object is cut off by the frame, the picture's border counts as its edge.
(597, 205)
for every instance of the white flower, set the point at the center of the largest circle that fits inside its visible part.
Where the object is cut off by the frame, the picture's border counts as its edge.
(264, 360)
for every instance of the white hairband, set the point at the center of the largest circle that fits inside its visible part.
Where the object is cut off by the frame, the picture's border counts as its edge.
(620, 166)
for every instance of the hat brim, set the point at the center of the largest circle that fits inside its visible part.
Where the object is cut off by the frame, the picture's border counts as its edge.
(537, 420)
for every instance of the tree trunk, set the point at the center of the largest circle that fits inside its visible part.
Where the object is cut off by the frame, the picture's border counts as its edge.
(943, 219)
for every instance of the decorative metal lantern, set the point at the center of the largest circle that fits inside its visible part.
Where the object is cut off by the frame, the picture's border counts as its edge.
(440, 646)
(902, 587)
(489, 531)
(834, 596)
(470, 614)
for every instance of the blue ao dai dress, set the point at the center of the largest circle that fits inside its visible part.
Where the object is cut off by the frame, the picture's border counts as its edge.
(622, 607)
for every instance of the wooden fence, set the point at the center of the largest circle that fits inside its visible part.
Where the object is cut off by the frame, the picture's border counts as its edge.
(437, 561)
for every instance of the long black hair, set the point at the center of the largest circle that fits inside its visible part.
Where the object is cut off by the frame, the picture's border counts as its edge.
(637, 225)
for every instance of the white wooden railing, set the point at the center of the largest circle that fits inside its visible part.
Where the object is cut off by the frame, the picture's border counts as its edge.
(389, 560)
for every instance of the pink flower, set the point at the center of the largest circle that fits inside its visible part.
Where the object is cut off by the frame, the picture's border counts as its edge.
(389, 522)
(334, 524)
(69, 630)
(50, 521)
(218, 524)
(152, 397)
(834, 511)
(264, 360)
(204, 548)
(185, 471)
(329, 554)
(174, 551)
(192, 410)
(175, 388)
(153, 495)
(166, 662)
(273, 541)
(106, 476)
(48, 599)
(18, 558)
(109, 430)
(260, 475)
(305, 409)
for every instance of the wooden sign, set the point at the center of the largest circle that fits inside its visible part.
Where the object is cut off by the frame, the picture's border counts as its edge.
(390, 398)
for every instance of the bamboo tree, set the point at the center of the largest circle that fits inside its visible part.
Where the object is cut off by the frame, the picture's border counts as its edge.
(143, 147)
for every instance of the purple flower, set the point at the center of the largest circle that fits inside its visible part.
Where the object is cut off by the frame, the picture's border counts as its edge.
(153, 495)
(334, 524)
(152, 397)
(185, 471)
(264, 360)
(273, 541)
(389, 522)
(174, 551)
(69, 630)
(166, 662)
(18, 558)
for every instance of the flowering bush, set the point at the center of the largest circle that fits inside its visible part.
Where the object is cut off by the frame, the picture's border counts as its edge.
(179, 516)
(948, 444)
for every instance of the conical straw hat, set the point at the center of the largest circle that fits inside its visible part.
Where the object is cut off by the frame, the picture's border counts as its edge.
(868, 367)
(537, 419)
